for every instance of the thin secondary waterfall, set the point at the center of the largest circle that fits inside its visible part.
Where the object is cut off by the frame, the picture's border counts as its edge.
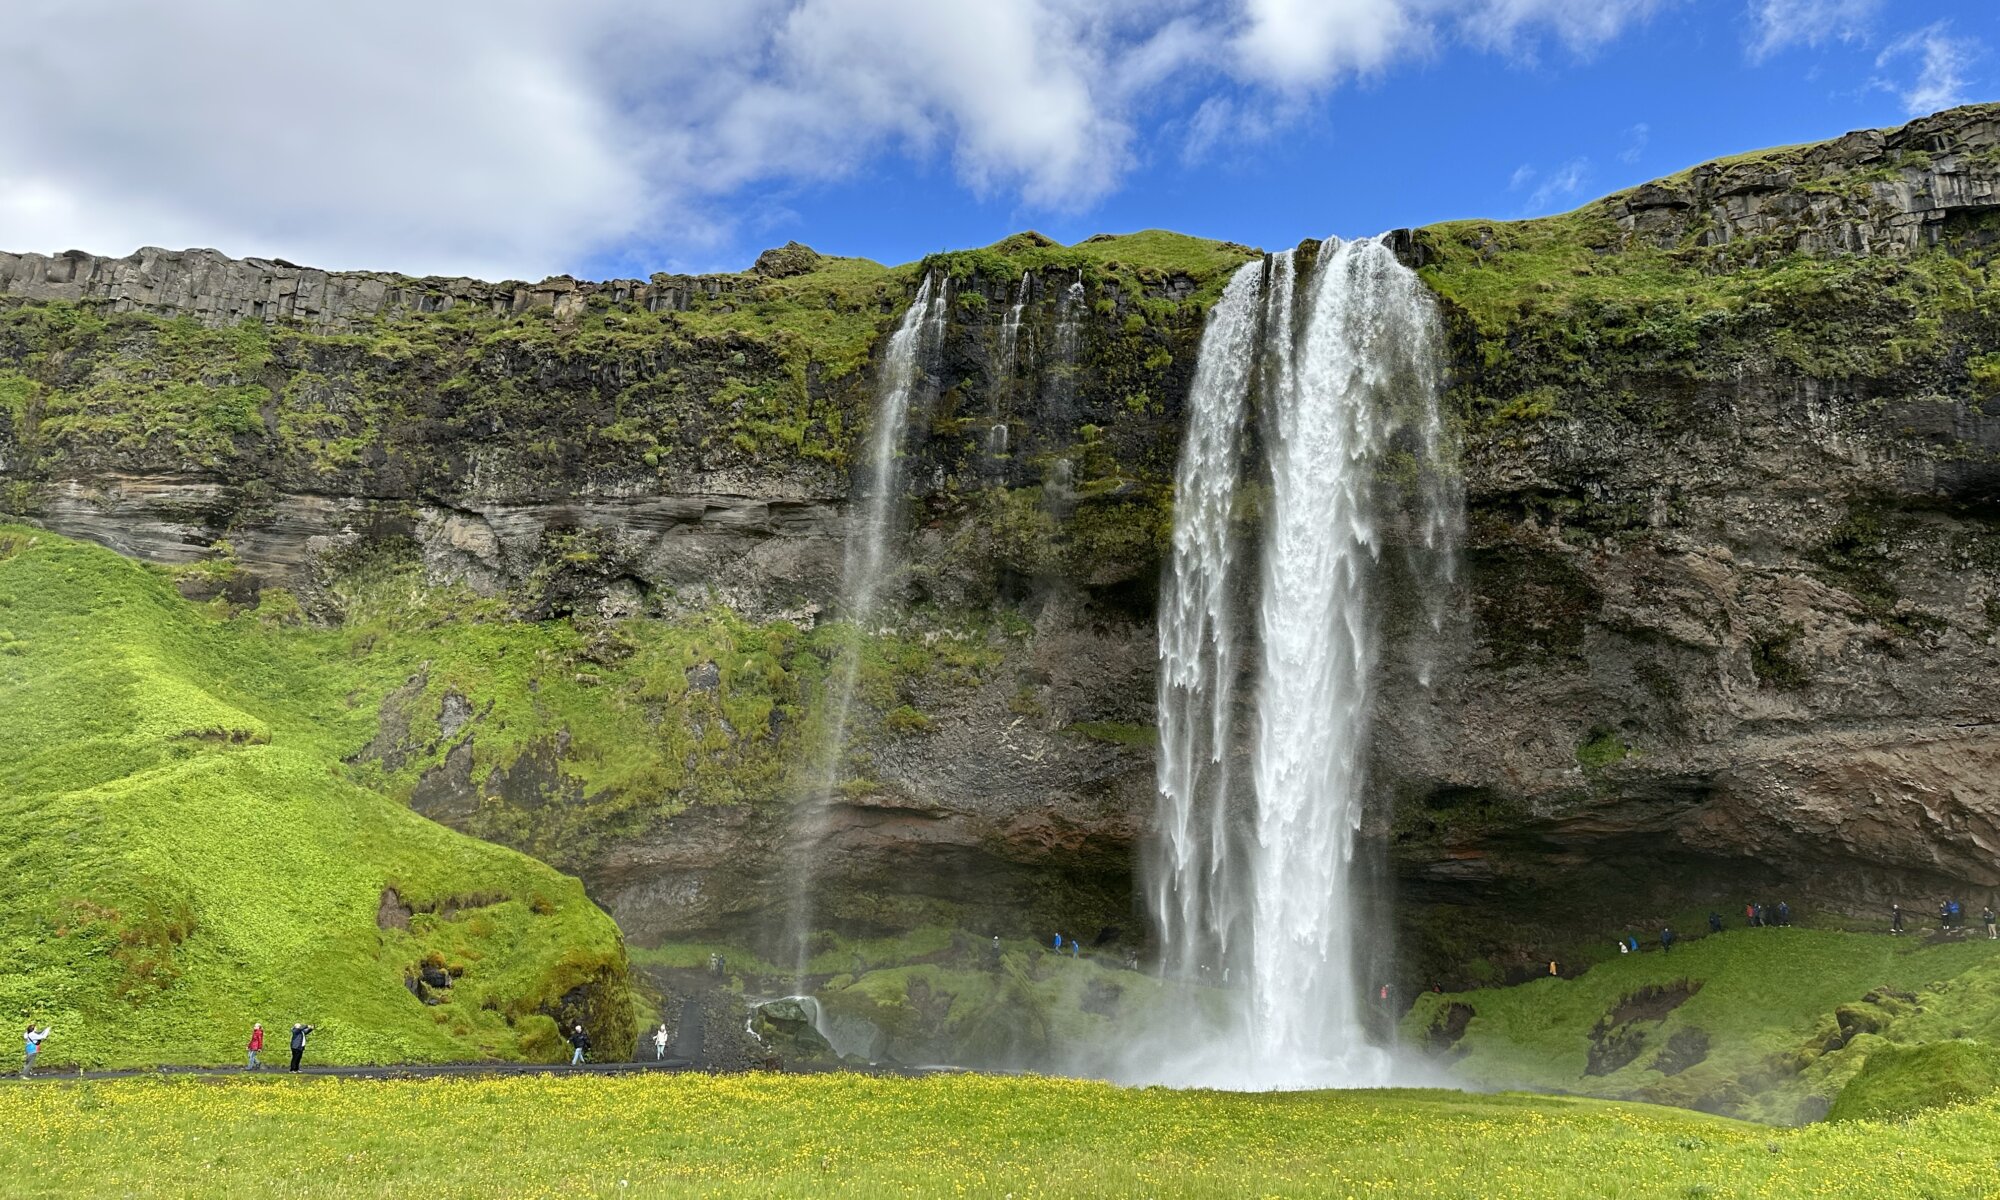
(1007, 376)
(1256, 892)
(866, 566)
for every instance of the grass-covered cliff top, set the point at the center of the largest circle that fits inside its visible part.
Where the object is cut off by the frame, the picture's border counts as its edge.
(1857, 257)
(186, 853)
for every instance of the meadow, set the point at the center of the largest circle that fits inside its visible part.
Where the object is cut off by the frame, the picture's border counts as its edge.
(960, 1135)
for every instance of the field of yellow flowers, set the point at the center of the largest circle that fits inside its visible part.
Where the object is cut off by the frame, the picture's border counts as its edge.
(964, 1135)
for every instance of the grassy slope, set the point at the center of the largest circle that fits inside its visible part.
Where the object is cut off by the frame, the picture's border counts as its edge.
(844, 1135)
(185, 854)
(1768, 1005)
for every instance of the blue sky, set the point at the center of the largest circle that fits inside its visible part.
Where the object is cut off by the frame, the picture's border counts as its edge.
(517, 138)
(1461, 133)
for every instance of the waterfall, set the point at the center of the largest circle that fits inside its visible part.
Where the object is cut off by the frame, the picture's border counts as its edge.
(1260, 890)
(1059, 396)
(1005, 378)
(905, 375)
(1010, 337)
(1198, 647)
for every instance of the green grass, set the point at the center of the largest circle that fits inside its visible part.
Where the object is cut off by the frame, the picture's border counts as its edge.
(1900, 1081)
(847, 1135)
(1769, 1003)
(188, 855)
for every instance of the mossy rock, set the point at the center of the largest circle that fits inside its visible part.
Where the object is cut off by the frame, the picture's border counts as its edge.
(1901, 1081)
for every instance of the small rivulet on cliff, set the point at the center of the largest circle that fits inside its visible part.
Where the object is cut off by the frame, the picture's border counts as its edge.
(1729, 613)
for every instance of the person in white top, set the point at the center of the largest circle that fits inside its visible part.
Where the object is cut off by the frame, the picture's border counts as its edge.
(31, 1043)
(660, 1042)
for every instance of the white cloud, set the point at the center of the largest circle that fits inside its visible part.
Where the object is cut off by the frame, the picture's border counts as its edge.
(1942, 62)
(1581, 25)
(1780, 24)
(1310, 43)
(1635, 142)
(1562, 183)
(512, 137)
(280, 129)
(1522, 177)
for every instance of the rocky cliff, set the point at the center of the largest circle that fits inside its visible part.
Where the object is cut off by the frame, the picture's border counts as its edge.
(1727, 627)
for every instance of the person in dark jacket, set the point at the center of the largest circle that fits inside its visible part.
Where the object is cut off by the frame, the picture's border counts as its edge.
(300, 1032)
(579, 1041)
(1667, 941)
(1715, 922)
(1784, 913)
(1992, 933)
(1895, 918)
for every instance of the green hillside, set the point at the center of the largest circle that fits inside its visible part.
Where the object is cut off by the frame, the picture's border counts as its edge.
(1773, 1024)
(187, 853)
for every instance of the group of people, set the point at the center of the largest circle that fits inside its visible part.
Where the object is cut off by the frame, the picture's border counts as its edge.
(300, 1032)
(1951, 919)
(1755, 917)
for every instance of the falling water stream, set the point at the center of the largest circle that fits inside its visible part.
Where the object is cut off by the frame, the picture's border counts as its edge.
(1255, 895)
(905, 375)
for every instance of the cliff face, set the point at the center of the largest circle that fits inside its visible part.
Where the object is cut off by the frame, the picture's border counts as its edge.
(1732, 583)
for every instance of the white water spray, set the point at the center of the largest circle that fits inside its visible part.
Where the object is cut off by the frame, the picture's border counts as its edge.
(1262, 892)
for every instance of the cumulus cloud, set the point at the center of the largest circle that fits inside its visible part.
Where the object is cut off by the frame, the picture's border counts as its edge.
(511, 137)
(459, 145)
(1942, 62)
(1777, 25)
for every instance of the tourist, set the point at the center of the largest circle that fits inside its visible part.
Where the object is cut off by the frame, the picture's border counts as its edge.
(1715, 922)
(660, 1042)
(1761, 922)
(1632, 940)
(1784, 913)
(1749, 915)
(256, 1045)
(1058, 943)
(300, 1032)
(31, 1044)
(1075, 948)
(1552, 967)
(1992, 934)
(1622, 947)
(1667, 940)
(1944, 915)
(1895, 918)
(579, 1041)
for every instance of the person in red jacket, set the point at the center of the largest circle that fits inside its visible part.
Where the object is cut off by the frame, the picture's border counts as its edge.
(256, 1044)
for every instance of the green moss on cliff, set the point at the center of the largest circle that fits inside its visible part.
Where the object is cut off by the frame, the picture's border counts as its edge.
(1559, 315)
(1134, 262)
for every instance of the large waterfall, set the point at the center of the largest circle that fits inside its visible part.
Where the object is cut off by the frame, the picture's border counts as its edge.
(905, 374)
(1254, 889)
